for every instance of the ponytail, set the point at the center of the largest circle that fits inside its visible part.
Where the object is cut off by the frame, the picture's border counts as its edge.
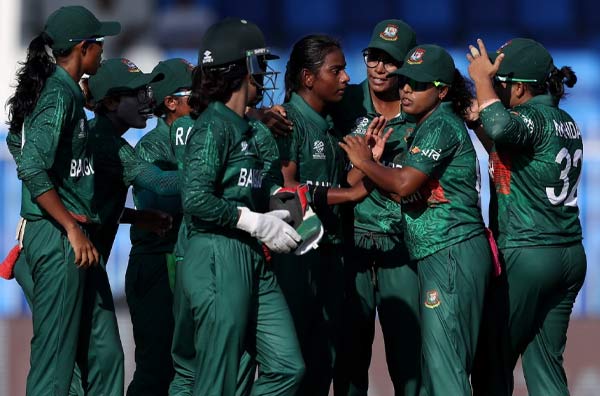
(555, 83)
(31, 77)
(460, 94)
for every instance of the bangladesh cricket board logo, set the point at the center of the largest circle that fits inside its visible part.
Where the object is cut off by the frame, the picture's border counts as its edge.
(432, 299)
(417, 57)
(390, 33)
(318, 150)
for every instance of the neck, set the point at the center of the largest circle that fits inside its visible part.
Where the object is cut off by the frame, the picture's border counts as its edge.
(422, 117)
(239, 100)
(313, 101)
(73, 68)
(170, 118)
(119, 126)
(387, 104)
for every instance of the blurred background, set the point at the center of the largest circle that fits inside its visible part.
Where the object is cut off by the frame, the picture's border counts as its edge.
(154, 30)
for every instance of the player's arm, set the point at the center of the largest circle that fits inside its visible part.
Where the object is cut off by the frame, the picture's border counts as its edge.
(37, 158)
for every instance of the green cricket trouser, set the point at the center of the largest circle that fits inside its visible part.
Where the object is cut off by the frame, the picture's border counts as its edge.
(150, 301)
(453, 283)
(313, 285)
(529, 313)
(73, 319)
(237, 307)
(380, 279)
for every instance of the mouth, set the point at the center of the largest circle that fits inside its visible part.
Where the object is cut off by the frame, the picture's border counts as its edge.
(379, 81)
(406, 102)
(146, 112)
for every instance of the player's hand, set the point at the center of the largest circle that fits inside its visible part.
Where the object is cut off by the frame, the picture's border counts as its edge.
(275, 119)
(376, 136)
(472, 113)
(154, 220)
(480, 66)
(86, 254)
(357, 149)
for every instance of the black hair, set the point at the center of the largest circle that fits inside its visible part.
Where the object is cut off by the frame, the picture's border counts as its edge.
(460, 94)
(31, 78)
(555, 83)
(308, 53)
(215, 84)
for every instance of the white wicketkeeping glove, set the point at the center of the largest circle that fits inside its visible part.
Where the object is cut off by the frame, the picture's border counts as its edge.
(270, 228)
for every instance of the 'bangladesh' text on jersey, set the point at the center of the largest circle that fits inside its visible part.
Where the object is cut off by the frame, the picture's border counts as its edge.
(536, 168)
(445, 210)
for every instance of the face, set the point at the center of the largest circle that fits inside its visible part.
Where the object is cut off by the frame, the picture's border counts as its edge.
(331, 80)
(92, 56)
(420, 99)
(379, 65)
(134, 109)
(505, 90)
(178, 103)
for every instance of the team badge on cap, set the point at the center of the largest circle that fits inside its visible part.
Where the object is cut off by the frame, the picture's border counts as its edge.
(432, 300)
(207, 57)
(390, 33)
(131, 67)
(416, 57)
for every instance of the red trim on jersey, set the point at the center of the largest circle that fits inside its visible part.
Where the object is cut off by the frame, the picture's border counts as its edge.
(501, 172)
(434, 192)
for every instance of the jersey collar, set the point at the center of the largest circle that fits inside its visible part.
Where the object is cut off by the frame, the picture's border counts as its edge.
(305, 109)
(229, 115)
(546, 100)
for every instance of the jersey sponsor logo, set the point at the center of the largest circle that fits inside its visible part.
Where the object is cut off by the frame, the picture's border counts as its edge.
(567, 130)
(319, 150)
(390, 33)
(415, 150)
(499, 167)
(82, 129)
(250, 178)
(360, 126)
(180, 139)
(431, 194)
(416, 58)
(207, 57)
(432, 299)
(432, 153)
(81, 167)
(390, 164)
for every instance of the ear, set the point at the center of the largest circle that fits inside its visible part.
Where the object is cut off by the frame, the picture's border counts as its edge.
(443, 92)
(170, 103)
(307, 78)
(519, 89)
(111, 103)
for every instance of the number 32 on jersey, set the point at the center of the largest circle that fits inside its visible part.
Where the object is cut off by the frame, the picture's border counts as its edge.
(568, 193)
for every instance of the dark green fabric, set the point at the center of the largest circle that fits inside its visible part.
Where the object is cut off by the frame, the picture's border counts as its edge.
(445, 209)
(313, 146)
(313, 286)
(527, 316)
(73, 319)
(524, 60)
(237, 307)
(380, 279)
(57, 153)
(428, 63)
(394, 37)
(178, 75)
(150, 303)
(536, 167)
(453, 283)
(229, 162)
(119, 75)
(154, 147)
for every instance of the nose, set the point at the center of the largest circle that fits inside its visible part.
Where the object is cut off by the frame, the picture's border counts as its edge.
(344, 77)
(380, 68)
(406, 88)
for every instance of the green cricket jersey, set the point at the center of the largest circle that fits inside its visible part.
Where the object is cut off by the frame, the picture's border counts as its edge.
(376, 213)
(229, 162)
(178, 135)
(56, 154)
(536, 168)
(314, 147)
(118, 167)
(445, 210)
(154, 147)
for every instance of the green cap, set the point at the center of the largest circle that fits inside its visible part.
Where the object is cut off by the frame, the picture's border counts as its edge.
(428, 63)
(525, 60)
(178, 74)
(230, 40)
(119, 75)
(393, 36)
(70, 25)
